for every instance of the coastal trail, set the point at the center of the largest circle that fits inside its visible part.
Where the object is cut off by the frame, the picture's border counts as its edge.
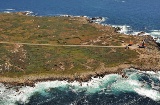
(32, 44)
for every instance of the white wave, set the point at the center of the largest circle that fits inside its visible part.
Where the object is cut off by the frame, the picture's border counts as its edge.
(11, 96)
(155, 34)
(132, 84)
(150, 72)
(114, 84)
(153, 94)
(125, 85)
(29, 12)
(123, 1)
(144, 90)
(124, 28)
(97, 84)
(7, 12)
(140, 33)
(10, 9)
(100, 20)
(64, 15)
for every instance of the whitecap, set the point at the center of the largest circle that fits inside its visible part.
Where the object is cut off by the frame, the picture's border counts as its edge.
(23, 94)
(125, 29)
(109, 84)
(124, 85)
(9, 9)
(100, 20)
(156, 35)
(7, 12)
(153, 94)
(29, 12)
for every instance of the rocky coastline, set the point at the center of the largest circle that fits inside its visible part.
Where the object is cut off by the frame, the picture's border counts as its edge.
(143, 63)
(80, 78)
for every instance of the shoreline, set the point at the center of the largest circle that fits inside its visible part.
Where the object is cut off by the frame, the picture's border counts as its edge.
(83, 77)
(95, 20)
(71, 78)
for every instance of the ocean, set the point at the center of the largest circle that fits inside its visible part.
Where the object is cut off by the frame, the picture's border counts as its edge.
(140, 88)
(132, 16)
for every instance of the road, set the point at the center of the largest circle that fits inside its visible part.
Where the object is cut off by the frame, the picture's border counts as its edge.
(62, 45)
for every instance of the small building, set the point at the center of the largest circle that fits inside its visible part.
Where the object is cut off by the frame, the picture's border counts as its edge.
(142, 45)
(130, 43)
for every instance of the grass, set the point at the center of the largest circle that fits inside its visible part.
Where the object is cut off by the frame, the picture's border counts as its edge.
(38, 29)
(27, 60)
(65, 60)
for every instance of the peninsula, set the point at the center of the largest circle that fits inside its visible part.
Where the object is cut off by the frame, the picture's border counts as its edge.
(67, 47)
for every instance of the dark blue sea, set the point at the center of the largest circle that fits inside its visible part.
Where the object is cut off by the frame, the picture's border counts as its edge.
(133, 16)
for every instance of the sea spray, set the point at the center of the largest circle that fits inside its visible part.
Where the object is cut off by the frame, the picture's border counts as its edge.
(112, 85)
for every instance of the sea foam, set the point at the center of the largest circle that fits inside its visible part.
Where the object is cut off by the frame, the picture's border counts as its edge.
(9, 9)
(153, 94)
(125, 29)
(109, 84)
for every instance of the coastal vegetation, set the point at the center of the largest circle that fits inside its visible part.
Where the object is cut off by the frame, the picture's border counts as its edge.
(30, 47)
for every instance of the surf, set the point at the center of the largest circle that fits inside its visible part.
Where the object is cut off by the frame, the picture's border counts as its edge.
(112, 84)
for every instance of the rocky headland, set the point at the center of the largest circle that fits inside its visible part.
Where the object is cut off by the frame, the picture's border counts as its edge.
(68, 48)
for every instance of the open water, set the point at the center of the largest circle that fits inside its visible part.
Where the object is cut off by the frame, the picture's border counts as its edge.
(140, 88)
(132, 15)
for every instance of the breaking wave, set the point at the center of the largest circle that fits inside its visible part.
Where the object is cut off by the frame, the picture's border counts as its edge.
(139, 86)
(9, 9)
(125, 29)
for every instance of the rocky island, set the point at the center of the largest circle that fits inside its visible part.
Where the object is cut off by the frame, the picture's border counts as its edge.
(67, 47)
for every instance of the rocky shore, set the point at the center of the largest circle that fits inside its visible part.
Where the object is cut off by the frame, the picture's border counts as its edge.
(10, 82)
(144, 59)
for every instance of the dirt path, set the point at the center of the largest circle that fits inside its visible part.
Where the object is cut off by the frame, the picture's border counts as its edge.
(62, 45)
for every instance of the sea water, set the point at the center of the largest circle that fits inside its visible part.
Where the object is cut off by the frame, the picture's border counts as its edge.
(133, 16)
(138, 88)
